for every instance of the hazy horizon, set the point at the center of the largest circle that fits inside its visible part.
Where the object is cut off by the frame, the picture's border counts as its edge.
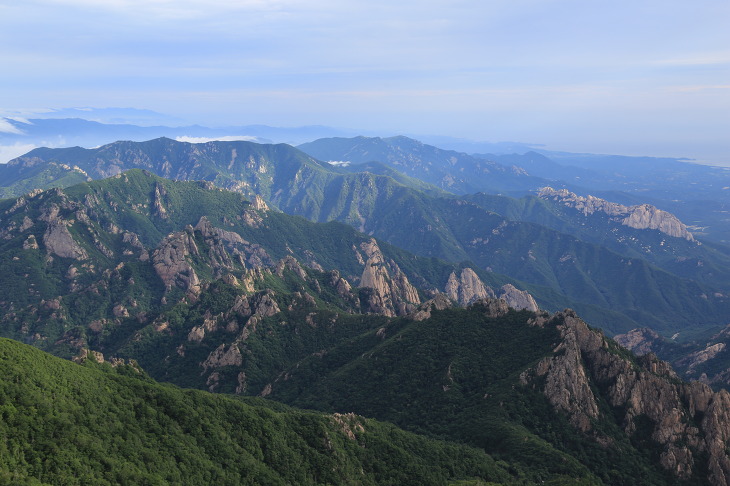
(646, 78)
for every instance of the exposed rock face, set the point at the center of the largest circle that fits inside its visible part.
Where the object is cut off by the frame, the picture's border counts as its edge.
(197, 333)
(225, 252)
(58, 241)
(639, 341)
(224, 355)
(467, 288)
(493, 307)
(423, 312)
(259, 204)
(86, 354)
(158, 208)
(518, 299)
(344, 290)
(688, 420)
(566, 382)
(695, 359)
(642, 216)
(228, 248)
(390, 296)
(171, 264)
(264, 305)
(290, 263)
(30, 243)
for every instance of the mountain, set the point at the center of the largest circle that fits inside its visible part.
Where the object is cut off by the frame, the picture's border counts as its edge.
(637, 231)
(205, 289)
(100, 127)
(458, 375)
(696, 193)
(614, 290)
(64, 423)
(98, 262)
(704, 360)
(450, 170)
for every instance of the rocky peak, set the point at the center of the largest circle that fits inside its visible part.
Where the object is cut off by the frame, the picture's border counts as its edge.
(639, 341)
(493, 307)
(642, 216)
(518, 299)
(689, 421)
(59, 241)
(467, 288)
(227, 249)
(158, 208)
(423, 312)
(389, 296)
(259, 204)
(290, 263)
(209, 231)
(171, 264)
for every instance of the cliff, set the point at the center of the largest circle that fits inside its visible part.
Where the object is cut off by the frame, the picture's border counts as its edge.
(642, 216)
(688, 421)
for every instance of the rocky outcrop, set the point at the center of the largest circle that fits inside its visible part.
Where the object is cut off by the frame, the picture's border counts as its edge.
(227, 249)
(691, 361)
(30, 243)
(253, 216)
(518, 299)
(259, 204)
(223, 355)
(566, 381)
(494, 307)
(197, 333)
(224, 252)
(264, 305)
(290, 263)
(58, 241)
(423, 312)
(171, 264)
(158, 208)
(639, 341)
(467, 288)
(642, 216)
(389, 296)
(688, 421)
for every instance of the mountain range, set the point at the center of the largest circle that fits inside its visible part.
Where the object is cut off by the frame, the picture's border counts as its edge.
(616, 284)
(370, 287)
(251, 301)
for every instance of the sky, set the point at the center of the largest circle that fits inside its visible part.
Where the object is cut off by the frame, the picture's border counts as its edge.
(638, 77)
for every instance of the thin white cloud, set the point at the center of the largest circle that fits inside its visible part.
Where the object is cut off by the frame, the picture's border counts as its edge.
(9, 152)
(20, 119)
(699, 60)
(697, 88)
(229, 138)
(7, 127)
(174, 9)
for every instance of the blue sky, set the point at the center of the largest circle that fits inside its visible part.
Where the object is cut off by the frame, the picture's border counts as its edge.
(632, 77)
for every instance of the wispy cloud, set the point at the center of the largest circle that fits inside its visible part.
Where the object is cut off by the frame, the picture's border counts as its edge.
(229, 138)
(174, 9)
(698, 88)
(9, 152)
(7, 127)
(703, 59)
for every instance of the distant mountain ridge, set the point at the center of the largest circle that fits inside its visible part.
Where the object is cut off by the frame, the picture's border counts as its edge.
(640, 216)
(450, 170)
(613, 290)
